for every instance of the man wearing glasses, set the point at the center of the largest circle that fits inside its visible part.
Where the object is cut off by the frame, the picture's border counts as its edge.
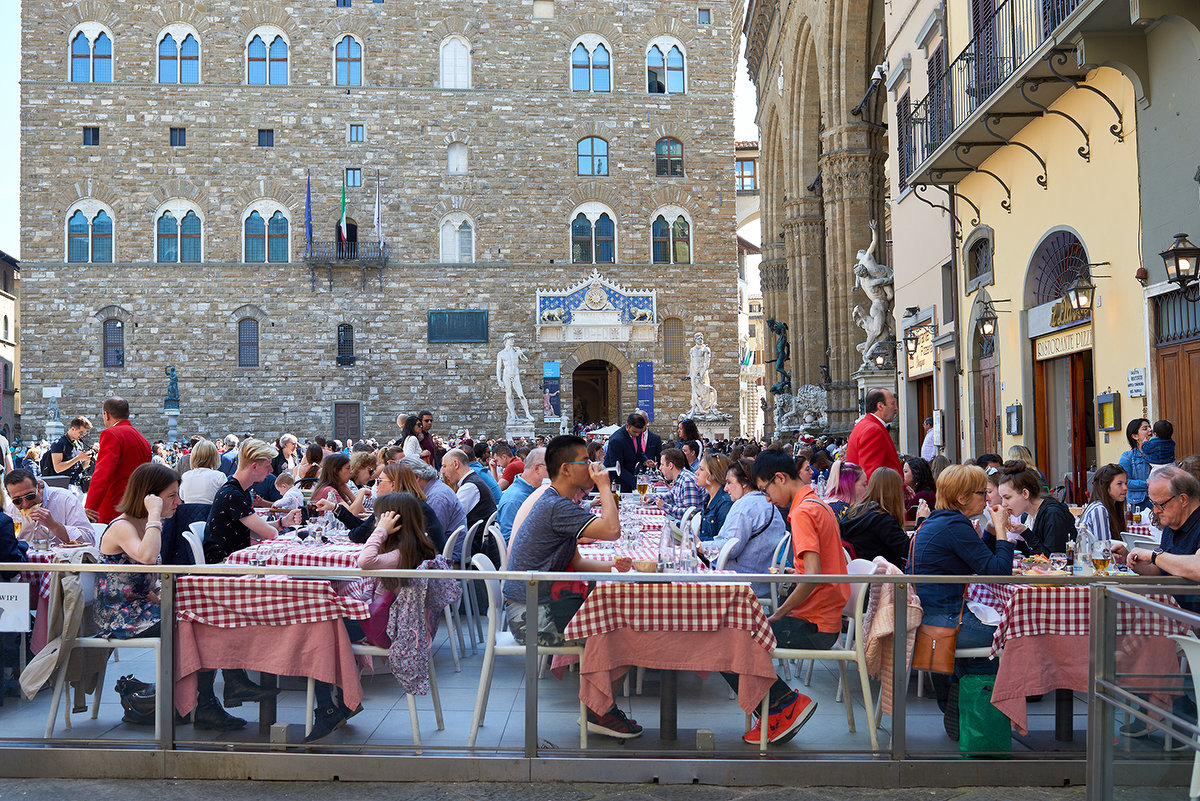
(55, 510)
(1174, 495)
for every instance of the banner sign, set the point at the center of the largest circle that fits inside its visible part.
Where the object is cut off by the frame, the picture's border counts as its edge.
(645, 389)
(551, 390)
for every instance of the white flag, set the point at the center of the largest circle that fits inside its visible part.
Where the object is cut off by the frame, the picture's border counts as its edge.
(378, 220)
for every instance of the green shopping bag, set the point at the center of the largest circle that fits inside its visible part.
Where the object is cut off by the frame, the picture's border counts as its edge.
(981, 726)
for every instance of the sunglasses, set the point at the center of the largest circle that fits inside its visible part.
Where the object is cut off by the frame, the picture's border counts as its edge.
(21, 500)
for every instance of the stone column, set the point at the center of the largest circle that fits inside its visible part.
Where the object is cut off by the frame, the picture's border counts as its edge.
(852, 164)
(773, 280)
(805, 239)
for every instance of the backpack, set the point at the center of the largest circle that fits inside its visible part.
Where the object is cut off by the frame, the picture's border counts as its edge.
(47, 464)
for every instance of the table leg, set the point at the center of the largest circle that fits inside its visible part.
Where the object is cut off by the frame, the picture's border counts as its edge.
(668, 706)
(267, 709)
(1064, 715)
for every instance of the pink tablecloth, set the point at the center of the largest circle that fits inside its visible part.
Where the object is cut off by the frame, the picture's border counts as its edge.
(300, 554)
(701, 627)
(238, 601)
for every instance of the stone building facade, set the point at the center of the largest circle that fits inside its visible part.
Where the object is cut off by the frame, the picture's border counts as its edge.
(187, 201)
(821, 181)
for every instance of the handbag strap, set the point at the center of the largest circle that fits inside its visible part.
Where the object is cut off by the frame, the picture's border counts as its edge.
(912, 544)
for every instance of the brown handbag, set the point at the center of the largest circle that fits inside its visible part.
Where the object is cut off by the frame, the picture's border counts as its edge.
(934, 647)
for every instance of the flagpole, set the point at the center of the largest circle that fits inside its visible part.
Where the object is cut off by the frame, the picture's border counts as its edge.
(308, 214)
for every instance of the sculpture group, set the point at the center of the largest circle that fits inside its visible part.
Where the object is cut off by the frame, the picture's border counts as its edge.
(876, 281)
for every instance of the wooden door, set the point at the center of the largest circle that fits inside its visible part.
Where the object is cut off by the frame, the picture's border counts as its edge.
(1081, 369)
(989, 422)
(1178, 376)
(347, 421)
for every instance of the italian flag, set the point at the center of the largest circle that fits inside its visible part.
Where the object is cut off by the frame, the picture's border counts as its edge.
(342, 222)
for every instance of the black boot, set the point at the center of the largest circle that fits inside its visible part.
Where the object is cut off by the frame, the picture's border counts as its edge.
(211, 715)
(325, 721)
(239, 688)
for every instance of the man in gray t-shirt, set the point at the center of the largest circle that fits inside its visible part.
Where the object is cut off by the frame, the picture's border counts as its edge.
(547, 541)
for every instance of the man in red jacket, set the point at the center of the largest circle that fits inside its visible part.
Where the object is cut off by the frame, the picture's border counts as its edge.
(870, 444)
(122, 449)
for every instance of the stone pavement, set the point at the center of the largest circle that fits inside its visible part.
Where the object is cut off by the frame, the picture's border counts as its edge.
(97, 790)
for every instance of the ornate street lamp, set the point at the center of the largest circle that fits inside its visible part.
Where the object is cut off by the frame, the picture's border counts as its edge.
(987, 321)
(1081, 293)
(912, 340)
(1181, 259)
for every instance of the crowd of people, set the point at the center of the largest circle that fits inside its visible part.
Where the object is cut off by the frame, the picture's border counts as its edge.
(833, 500)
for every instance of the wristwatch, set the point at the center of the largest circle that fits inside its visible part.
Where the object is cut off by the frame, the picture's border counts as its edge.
(1154, 556)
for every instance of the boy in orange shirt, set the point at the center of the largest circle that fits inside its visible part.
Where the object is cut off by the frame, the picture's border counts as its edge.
(811, 616)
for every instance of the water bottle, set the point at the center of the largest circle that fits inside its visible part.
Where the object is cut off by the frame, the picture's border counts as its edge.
(666, 549)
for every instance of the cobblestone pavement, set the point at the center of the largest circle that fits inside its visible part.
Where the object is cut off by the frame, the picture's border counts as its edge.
(96, 790)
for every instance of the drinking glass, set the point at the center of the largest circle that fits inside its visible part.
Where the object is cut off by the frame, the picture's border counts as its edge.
(1101, 558)
(1058, 561)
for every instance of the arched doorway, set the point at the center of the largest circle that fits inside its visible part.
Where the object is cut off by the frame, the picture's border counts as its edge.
(595, 392)
(347, 248)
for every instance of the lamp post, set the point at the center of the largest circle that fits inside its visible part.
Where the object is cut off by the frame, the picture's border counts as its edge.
(1181, 260)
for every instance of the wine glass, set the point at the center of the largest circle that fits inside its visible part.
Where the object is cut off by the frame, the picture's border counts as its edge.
(1058, 561)
(1101, 557)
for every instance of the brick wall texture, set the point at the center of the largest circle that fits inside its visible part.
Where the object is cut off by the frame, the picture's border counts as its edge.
(520, 122)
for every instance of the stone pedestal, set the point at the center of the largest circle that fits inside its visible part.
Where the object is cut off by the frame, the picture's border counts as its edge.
(868, 379)
(710, 431)
(518, 428)
(54, 427)
(172, 423)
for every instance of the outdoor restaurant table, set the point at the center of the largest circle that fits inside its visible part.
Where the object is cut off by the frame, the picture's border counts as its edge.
(277, 626)
(670, 627)
(37, 638)
(339, 553)
(1044, 634)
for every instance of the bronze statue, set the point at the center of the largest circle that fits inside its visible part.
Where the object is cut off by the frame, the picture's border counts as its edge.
(783, 352)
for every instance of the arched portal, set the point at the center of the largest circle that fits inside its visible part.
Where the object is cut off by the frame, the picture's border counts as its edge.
(596, 392)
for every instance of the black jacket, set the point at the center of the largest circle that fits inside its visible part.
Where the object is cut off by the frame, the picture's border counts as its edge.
(360, 530)
(1052, 527)
(876, 533)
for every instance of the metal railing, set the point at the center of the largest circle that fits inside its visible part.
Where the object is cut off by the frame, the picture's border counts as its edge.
(1000, 48)
(863, 767)
(347, 251)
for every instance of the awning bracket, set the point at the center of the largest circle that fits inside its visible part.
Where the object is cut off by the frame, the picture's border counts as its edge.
(994, 119)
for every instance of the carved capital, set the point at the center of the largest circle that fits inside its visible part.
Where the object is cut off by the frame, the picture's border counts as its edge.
(773, 277)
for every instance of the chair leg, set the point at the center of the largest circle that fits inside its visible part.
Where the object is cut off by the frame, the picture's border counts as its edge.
(920, 684)
(764, 717)
(462, 643)
(451, 630)
(872, 715)
(808, 676)
(59, 681)
(437, 700)
(485, 680)
(412, 718)
(583, 729)
(1194, 792)
(310, 701)
(849, 706)
(879, 708)
(99, 690)
(641, 677)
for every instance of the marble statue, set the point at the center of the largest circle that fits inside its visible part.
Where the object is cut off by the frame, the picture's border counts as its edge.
(812, 408)
(52, 409)
(783, 352)
(876, 282)
(704, 397)
(508, 376)
(172, 385)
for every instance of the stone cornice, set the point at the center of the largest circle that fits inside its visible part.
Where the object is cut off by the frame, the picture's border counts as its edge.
(759, 16)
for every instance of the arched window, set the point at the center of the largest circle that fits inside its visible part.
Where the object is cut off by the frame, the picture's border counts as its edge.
(456, 239)
(168, 238)
(345, 344)
(348, 62)
(102, 231)
(672, 239)
(456, 158)
(168, 60)
(6, 326)
(590, 66)
(256, 237)
(666, 74)
(102, 59)
(189, 238)
(81, 58)
(455, 63)
(979, 259)
(256, 62)
(593, 235)
(277, 238)
(592, 156)
(248, 342)
(668, 157)
(114, 343)
(674, 348)
(279, 62)
(189, 60)
(77, 237)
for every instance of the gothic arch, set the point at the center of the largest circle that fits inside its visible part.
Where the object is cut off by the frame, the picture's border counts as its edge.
(671, 196)
(252, 311)
(591, 23)
(681, 134)
(457, 136)
(179, 188)
(266, 188)
(92, 11)
(182, 11)
(600, 192)
(91, 189)
(113, 311)
(605, 129)
(270, 13)
(455, 24)
(663, 24)
(601, 351)
(448, 205)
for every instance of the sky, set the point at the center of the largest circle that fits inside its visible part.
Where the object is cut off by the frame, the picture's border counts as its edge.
(10, 120)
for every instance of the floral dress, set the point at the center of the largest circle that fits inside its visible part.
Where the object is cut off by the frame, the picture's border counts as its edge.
(123, 608)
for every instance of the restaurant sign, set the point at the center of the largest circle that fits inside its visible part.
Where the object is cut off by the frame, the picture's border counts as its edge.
(1064, 342)
(1056, 315)
(920, 363)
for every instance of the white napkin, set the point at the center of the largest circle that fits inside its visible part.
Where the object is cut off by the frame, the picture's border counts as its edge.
(988, 615)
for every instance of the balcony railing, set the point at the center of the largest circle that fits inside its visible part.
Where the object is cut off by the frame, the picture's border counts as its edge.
(1000, 48)
(347, 251)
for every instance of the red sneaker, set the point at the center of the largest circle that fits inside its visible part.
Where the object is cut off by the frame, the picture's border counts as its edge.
(783, 725)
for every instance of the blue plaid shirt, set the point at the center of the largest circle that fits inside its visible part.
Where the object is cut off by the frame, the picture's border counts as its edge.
(685, 492)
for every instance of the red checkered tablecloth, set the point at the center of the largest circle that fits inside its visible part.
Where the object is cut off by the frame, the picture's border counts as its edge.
(1143, 530)
(671, 607)
(239, 601)
(1032, 611)
(42, 578)
(300, 554)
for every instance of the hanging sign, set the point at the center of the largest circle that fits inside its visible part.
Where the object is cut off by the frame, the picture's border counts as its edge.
(645, 388)
(551, 391)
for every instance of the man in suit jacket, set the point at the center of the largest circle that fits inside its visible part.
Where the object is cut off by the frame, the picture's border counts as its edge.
(632, 447)
(870, 444)
(122, 449)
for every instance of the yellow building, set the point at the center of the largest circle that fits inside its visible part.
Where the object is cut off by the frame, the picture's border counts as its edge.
(1038, 132)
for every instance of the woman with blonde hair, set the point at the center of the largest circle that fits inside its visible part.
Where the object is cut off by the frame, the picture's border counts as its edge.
(875, 526)
(394, 478)
(201, 482)
(710, 475)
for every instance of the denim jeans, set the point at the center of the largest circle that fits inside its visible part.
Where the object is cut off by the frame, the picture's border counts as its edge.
(972, 633)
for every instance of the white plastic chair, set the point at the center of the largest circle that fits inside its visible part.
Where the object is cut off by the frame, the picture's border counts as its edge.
(1191, 649)
(493, 531)
(723, 554)
(502, 643)
(686, 519)
(194, 543)
(99, 529)
(372, 650)
(152, 643)
(853, 650)
(452, 609)
(200, 529)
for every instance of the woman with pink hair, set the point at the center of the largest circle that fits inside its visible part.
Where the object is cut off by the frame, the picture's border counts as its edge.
(847, 486)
